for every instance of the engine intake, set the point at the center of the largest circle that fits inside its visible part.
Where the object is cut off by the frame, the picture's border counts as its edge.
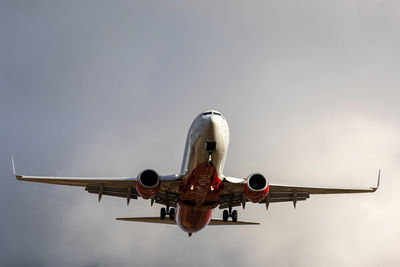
(148, 184)
(256, 187)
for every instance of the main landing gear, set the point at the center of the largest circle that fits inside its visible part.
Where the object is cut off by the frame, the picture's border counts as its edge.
(233, 214)
(167, 211)
(210, 148)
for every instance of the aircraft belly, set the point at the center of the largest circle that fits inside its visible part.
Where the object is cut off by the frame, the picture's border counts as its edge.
(192, 219)
(199, 194)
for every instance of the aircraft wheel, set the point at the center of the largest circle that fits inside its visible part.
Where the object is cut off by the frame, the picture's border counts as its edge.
(225, 216)
(163, 213)
(234, 216)
(172, 214)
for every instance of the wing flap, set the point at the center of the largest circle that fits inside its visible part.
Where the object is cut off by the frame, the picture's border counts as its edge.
(125, 192)
(283, 199)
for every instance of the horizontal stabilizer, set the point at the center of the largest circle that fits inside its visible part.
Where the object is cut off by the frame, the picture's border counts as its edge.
(147, 220)
(168, 221)
(221, 222)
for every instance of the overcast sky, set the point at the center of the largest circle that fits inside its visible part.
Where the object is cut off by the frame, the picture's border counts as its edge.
(310, 90)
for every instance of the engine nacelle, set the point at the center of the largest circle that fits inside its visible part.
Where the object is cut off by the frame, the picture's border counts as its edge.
(256, 187)
(148, 184)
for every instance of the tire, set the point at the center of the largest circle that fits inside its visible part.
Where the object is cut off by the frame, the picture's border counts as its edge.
(172, 214)
(163, 213)
(234, 216)
(225, 216)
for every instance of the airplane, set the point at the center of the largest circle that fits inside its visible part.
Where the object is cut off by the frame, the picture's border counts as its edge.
(191, 196)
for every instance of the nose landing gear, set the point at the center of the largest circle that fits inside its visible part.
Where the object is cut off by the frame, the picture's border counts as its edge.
(210, 148)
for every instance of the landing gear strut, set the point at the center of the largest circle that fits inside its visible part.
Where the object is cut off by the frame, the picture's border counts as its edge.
(210, 148)
(169, 211)
(233, 214)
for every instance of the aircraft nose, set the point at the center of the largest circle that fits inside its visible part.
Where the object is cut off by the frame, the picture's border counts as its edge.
(211, 126)
(212, 121)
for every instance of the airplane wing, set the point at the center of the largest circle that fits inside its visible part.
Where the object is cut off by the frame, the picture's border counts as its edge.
(233, 192)
(124, 187)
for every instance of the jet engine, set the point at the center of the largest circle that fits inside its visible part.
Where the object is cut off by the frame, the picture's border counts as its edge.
(256, 187)
(148, 184)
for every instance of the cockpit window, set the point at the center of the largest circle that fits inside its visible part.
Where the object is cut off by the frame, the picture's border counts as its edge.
(211, 113)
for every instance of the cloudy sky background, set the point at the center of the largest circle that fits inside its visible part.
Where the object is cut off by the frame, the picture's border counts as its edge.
(310, 90)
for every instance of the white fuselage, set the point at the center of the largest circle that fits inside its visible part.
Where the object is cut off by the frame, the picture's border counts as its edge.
(209, 126)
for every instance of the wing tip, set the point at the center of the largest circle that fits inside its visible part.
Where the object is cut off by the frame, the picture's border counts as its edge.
(13, 169)
(378, 182)
(379, 179)
(13, 165)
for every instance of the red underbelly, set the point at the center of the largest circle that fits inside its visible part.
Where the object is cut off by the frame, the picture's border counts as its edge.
(199, 194)
(191, 218)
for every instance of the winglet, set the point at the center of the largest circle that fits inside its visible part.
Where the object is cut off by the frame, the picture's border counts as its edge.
(379, 180)
(13, 168)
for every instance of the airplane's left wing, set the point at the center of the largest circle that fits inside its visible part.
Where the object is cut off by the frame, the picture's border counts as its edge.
(234, 195)
(124, 187)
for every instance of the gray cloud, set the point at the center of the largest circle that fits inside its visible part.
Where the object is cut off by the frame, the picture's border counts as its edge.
(309, 89)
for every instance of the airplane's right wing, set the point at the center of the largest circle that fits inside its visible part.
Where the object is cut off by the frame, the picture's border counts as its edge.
(124, 187)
